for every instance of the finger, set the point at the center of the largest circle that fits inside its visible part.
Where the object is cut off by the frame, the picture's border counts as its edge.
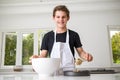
(87, 56)
(31, 57)
(34, 56)
(90, 57)
(30, 61)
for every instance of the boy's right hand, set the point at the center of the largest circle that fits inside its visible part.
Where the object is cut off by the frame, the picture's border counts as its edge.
(33, 56)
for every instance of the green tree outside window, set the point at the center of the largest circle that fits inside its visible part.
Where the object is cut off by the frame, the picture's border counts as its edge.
(115, 40)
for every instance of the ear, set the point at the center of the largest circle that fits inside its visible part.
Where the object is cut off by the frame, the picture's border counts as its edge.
(68, 18)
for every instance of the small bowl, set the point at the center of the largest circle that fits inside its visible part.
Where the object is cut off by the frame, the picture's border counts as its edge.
(46, 66)
(18, 68)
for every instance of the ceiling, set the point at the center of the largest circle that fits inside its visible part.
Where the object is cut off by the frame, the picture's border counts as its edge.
(29, 1)
(40, 1)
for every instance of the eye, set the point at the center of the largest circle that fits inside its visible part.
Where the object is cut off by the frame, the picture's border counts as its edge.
(63, 17)
(57, 16)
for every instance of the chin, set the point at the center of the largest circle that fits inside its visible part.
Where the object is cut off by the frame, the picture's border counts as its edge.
(61, 26)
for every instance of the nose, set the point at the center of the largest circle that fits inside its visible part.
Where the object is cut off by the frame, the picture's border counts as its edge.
(61, 19)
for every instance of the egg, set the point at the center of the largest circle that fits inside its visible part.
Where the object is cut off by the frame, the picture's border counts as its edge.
(78, 61)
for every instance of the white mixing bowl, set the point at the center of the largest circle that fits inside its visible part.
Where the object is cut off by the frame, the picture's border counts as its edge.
(46, 66)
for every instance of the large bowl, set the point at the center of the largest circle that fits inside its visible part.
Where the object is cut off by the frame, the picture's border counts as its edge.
(46, 66)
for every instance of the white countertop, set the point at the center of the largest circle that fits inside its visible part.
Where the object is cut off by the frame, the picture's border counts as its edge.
(61, 77)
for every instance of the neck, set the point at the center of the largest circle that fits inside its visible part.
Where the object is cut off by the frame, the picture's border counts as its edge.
(61, 30)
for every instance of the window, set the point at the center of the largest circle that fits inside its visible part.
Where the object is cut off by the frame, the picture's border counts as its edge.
(10, 48)
(27, 47)
(19, 45)
(114, 35)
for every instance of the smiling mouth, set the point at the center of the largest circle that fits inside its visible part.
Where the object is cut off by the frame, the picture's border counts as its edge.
(60, 22)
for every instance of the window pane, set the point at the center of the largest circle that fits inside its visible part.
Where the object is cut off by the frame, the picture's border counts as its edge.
(10, 49)
(27, 48)
(115, 41)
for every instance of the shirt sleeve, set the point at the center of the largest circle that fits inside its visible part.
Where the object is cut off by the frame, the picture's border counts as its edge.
(44, 45)
(77, 42)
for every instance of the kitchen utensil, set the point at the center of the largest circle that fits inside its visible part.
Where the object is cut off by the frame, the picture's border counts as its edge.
(45, 66)
(77, 73)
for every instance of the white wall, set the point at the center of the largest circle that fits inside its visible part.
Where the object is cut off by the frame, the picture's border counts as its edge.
(89, 19)
(92, 27)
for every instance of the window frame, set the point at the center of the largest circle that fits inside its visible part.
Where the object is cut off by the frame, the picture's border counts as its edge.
(110, 28)
(3, 49)
(19, 45)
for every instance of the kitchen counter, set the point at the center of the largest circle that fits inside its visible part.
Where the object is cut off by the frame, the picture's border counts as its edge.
(34, 76)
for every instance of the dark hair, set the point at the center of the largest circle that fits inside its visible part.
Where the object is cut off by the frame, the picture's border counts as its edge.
(61, 8)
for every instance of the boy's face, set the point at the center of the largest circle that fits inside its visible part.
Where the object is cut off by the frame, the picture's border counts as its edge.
(60, 19)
